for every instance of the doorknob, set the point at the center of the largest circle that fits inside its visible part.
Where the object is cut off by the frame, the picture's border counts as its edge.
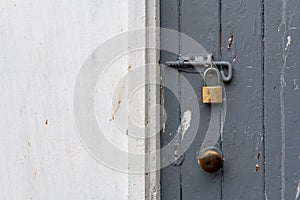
(211, 160)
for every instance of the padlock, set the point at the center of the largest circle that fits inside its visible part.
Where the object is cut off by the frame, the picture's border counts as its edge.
(212, 94)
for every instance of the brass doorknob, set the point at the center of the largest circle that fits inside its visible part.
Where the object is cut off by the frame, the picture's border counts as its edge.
(211, 160)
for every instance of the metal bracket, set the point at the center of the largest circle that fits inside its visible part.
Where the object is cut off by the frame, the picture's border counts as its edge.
(205, 61)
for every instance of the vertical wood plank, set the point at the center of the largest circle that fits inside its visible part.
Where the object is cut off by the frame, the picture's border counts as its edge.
(170, 175)
(243, 130)
(282, 19)
(199, 20)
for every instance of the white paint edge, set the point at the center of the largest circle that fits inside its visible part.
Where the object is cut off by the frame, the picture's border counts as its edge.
(142, 14)
(153, 99)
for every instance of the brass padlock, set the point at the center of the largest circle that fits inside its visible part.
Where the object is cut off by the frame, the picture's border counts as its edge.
(212, 94)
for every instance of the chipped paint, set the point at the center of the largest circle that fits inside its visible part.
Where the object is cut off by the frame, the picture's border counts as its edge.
(282, 121)
(164, 127)
(234, 59)
(185, 123)
(230, 41)
(288, 43)
(286, 20)
(129, 68)
(256, 167)
(298, 191)
(281, 96)
(296, 84)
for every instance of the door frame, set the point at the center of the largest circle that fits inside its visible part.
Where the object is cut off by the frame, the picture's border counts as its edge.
(143, 14)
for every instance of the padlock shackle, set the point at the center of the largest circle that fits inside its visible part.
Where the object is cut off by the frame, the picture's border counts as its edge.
(216, 71)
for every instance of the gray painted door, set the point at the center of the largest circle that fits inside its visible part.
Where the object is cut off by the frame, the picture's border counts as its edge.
(261, 137)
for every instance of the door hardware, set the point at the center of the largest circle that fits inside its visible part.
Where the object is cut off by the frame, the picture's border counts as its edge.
(202, 61)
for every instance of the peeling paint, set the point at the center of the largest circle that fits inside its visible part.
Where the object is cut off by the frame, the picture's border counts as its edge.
(292, 66)
(164, 127)
(234, 59)
(282, 121)
(289, 39)
(266, 196)
(298, 191)
(230, 41)
(289, 42)
(185, 123)
(286, 20)
(296, 84)
(175, 152)
(256, 167)
(281, 94)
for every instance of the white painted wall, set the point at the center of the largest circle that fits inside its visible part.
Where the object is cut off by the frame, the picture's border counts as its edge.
(43, 44)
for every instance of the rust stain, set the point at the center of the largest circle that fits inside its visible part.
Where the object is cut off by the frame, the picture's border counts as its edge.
(129, 68)
(256, 167)
(34, 173)
(116, 110)
(46, 122)
(119, 100)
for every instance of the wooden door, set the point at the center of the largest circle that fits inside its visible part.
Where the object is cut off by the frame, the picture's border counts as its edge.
(261, 134)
